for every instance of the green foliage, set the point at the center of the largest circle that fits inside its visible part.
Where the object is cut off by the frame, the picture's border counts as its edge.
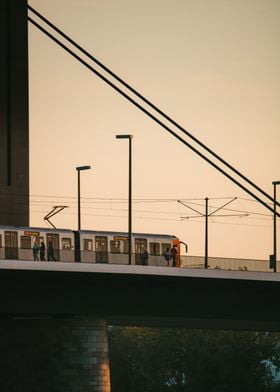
(179, 360)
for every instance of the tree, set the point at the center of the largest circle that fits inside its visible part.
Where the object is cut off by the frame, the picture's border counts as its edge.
(179, 360)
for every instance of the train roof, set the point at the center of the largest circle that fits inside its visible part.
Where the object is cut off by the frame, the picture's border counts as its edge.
(32, 228)
(100, 232)
(125, 233)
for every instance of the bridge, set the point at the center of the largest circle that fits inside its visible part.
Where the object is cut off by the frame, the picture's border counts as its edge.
(58, 313)
(141, 295)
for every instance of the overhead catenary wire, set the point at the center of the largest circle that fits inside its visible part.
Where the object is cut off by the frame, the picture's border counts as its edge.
(103, 201)
(149, 103)
(135, 200)
(116, 88)
(109, 200)
(241, 213)
(198, 220)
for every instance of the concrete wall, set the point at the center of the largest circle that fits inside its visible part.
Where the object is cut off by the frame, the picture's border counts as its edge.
(14, 135)
(54, 355)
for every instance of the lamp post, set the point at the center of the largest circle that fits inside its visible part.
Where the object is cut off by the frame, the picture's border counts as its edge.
(274, 183)
(206, 234)
(129, 137)
(79, 168)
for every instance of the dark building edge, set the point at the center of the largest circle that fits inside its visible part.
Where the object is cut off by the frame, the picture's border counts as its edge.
(14, 116)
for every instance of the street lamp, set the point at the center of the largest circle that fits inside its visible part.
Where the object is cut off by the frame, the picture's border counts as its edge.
(274, 183)
(129, 137)
(79, 168)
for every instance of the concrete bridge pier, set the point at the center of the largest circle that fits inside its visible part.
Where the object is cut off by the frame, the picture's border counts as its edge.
(54, 355)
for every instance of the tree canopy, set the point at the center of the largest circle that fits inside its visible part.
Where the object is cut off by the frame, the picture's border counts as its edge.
(179, 360)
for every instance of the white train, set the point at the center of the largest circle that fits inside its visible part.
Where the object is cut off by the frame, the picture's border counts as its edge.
(86, 246)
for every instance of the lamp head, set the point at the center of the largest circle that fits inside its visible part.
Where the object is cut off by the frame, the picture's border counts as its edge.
(83, 168)
(124, 136)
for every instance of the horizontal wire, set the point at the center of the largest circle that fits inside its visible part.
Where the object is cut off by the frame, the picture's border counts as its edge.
(37, 203)
(200, 220)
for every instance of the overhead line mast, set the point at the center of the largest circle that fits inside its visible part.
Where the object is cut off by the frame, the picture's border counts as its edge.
(111, 84)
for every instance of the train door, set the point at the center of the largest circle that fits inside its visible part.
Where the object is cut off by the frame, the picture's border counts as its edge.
(11, 245)
(140, 246)
(101, 249)
(54, 239)
(176, 243)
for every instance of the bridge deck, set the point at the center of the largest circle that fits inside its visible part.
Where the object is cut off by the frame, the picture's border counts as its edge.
(141, 295)
(137, 270)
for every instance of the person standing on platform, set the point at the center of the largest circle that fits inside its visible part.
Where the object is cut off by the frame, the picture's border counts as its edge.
(50, 252)
(36, 249)
(173, 253)
(167, 256)
(42, 251)
(145, 257)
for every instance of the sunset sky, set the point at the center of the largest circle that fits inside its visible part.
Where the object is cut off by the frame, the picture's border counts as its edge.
(213, 66)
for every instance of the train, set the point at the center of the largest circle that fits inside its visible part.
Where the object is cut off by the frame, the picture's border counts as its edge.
(88, 246)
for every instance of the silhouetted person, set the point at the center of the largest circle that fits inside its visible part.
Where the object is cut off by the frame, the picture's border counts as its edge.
(145, 257)
(167, 256)
(36, 249)
(50, 252)
(173, 253)
(42, 251)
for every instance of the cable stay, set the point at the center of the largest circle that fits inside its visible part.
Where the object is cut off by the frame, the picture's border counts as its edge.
(149, 103)
(149, 114)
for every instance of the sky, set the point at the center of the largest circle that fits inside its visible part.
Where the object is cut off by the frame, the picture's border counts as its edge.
(213, 66)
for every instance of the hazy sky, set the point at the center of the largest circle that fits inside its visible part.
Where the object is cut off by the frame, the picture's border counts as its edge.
(211, 65)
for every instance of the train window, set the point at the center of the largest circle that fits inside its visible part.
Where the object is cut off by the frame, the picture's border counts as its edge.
(115, 246)
(154, 248)
(140, 245)
(11, 239)
(25, 242)
(164, 247)
(11, 244)
(54, 239)
(101, 244)
(66, 243)
(88, 244)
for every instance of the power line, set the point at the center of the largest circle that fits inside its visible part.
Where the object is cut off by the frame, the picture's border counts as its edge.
(156, 218)
(167, 219)
(104, 201)
(135, 199)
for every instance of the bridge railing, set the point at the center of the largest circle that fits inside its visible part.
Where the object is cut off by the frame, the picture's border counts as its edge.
(224, 263)
(186, 261)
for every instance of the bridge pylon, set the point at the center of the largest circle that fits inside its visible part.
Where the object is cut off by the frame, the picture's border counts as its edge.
(14, 131)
